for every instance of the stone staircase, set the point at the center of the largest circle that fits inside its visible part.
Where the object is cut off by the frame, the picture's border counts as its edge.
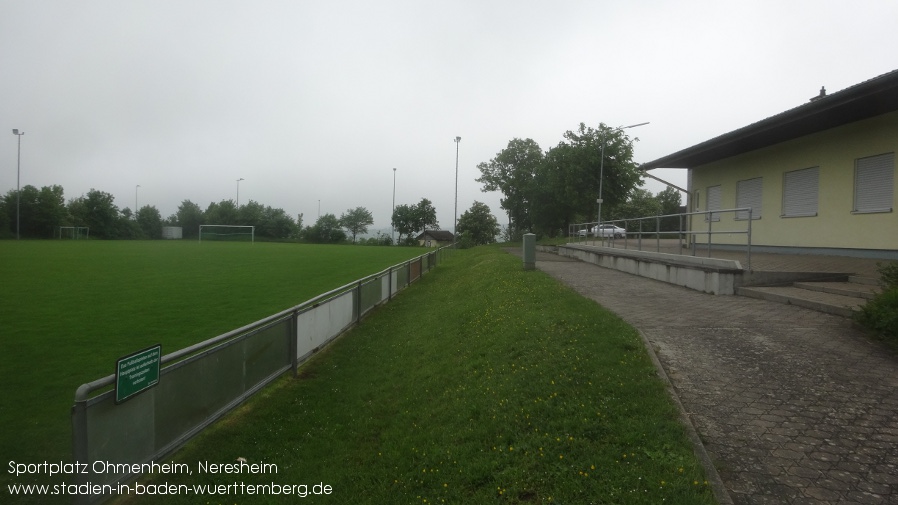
(839, 297)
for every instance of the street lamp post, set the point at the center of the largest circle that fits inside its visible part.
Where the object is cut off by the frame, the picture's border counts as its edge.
(15, 132)
(135, 200)
(455, 225)
(238, 192)
(393, 227)
(602, 173)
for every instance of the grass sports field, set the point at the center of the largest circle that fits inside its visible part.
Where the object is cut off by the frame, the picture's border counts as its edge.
(68, 309)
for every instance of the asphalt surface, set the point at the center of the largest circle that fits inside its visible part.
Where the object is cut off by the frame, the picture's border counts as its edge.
(792, 406)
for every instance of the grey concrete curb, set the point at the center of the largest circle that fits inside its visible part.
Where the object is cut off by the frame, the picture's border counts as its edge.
(720, 492)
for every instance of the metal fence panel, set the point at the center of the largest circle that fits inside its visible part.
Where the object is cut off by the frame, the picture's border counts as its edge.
(317, 326)
(401, 278)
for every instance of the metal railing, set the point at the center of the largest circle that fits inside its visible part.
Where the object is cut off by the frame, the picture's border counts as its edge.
(710, 226)
(201, 383)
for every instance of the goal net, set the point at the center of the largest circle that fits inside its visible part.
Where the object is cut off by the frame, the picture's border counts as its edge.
(74, 232)
(232, 233)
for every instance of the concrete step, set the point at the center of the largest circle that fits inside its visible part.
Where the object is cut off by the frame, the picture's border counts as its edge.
(854, 289)
(859, 279)
(821, 301)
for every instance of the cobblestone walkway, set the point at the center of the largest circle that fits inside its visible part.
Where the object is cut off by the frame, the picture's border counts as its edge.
(793, 406)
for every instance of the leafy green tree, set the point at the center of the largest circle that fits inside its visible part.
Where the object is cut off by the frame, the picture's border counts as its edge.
(50, 213)
(224, 212)
(5, 229)
(425, 216)
(98, 211)
(512, 172)
(277, 224)
(251, 214)
(356, 221)
(150, 221)
(640, 204)
(189, 217)
(479, 223)
(326, 230)
(669, 199)
(566, 185)
(403, 221)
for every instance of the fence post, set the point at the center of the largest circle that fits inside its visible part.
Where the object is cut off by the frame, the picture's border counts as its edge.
(294, 345)
(358, 302)
(529, 251)
(657, 234)
(390, 284)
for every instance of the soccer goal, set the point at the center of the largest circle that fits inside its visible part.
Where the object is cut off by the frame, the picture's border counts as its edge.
(74, 232)
(231, 233)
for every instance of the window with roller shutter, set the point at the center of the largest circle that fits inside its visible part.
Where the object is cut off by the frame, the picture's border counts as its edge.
(874, 183)
(800, 188)
(748, 194)
(713, 203)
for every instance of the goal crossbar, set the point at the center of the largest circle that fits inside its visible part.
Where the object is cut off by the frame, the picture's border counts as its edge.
(248, 230)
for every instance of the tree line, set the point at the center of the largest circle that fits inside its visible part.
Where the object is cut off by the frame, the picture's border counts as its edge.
(41, 212)
(545, 191)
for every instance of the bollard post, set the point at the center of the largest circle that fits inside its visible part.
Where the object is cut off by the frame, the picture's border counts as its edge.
(529, 251)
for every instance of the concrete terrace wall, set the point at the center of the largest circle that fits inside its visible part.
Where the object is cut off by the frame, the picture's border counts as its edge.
(709, 275)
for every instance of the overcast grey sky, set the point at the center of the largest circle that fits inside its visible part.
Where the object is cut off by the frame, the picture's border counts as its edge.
(320, 100)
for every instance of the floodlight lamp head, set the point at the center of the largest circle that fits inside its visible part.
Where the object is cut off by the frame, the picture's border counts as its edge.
(457, 139)
(15, 131)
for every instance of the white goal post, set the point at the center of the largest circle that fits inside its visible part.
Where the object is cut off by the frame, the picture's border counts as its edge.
(74, 232)
(228, 232)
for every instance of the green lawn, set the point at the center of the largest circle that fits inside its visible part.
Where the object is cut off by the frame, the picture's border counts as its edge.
(68, 309)
(481, 384)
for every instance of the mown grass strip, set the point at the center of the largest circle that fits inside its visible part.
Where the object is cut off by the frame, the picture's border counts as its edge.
(481, 384)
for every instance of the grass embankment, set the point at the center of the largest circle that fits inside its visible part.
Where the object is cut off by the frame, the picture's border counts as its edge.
(483, 383)
(68, 309)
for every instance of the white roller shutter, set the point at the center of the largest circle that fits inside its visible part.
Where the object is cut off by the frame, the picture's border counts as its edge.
(748, 194)
(800, 189)
(713, 202)
(874, 183)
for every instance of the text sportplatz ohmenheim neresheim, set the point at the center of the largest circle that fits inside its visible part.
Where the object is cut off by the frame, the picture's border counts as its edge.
(202, 467)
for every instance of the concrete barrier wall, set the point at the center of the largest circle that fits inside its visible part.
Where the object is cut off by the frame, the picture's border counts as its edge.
(709, 275)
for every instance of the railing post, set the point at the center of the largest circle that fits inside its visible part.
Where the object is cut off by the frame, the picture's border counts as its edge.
(680, 235)
(710, 219)
(639, 237)
(626, 235)
(79, 444)
(749, 239)
(657, 234)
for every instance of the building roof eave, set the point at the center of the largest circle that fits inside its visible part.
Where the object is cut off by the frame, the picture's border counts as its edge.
(868, 99)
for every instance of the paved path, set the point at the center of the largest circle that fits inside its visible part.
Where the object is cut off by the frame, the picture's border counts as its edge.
(793, 406)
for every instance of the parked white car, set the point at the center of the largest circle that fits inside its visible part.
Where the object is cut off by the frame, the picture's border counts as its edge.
(609, 231)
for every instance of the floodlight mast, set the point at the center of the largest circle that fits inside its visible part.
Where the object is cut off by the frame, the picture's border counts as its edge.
(455, 223)
(15, 131)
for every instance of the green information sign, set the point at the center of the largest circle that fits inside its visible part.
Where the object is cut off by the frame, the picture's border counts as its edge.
(135, 373)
